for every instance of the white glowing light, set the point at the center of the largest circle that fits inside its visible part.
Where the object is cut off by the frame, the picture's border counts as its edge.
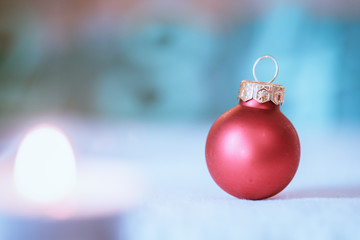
(45, 169)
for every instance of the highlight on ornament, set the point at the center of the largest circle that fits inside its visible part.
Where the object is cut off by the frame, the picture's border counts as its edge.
(45, 169)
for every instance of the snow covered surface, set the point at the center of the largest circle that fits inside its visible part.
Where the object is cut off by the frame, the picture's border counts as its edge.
(322, 201)
(183, 202)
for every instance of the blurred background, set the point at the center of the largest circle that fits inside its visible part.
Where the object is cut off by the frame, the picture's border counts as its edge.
(143, 80)
(160, 60)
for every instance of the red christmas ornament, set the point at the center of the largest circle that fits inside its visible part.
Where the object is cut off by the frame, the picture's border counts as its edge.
(253, 150)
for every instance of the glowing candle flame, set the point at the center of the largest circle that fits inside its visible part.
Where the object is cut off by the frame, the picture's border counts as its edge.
(45, 170)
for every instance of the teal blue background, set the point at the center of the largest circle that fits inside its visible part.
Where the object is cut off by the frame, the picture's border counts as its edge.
(158, 67)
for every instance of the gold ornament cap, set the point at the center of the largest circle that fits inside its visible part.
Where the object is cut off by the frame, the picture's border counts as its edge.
(262, 91)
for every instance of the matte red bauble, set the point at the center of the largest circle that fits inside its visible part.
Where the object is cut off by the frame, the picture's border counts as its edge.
(253, 150)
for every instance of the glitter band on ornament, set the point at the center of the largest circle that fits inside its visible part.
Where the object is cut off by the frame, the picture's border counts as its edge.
(261, 92)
